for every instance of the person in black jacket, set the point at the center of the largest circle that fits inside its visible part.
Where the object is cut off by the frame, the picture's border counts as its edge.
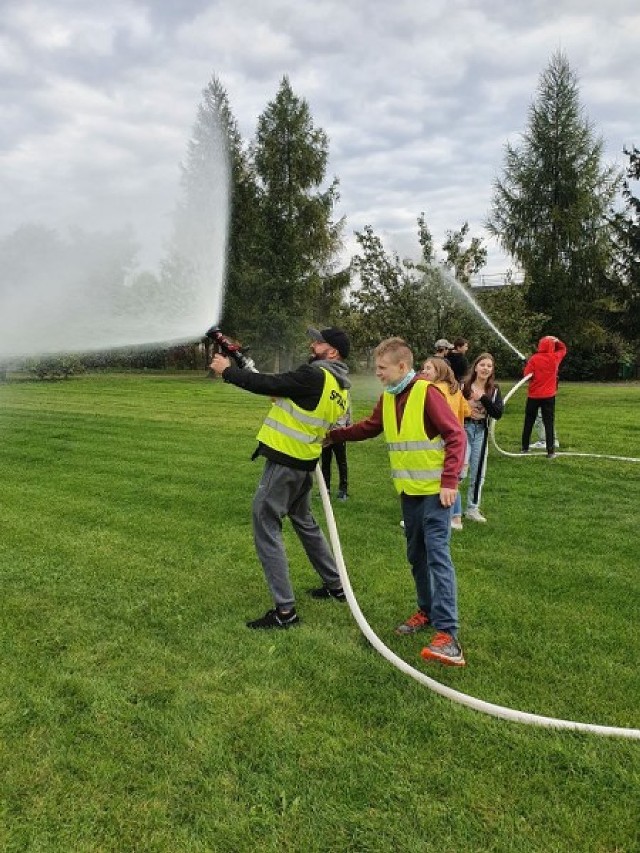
(457, 358)
(306, 403)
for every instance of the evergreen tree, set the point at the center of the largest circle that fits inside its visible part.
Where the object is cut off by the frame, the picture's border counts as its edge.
(507, 306)
(298, 236)
(626, 270)
(329, 300)
(550, 208)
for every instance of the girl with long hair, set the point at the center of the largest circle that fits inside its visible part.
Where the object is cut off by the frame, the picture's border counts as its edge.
(485, 400)
(436, 370)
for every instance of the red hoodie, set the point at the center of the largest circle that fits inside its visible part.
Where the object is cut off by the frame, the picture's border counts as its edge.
(544, 366)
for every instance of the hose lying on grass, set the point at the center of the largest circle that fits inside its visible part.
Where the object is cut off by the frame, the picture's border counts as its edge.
(448, 692)
(492, 432)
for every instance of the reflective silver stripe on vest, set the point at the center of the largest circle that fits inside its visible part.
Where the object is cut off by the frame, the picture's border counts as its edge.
(302, 437)
(417, 475)
(415, 445)
(286, 406)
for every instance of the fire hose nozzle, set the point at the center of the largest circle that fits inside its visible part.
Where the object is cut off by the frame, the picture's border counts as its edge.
(232, 349)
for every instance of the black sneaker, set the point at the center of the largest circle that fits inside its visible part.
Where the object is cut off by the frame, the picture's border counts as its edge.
(327, 592)
(275, 619)
(342, 495)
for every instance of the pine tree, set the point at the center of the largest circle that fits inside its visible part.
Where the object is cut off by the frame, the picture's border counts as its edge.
(626, 269)
(550, 207)
(298, 236)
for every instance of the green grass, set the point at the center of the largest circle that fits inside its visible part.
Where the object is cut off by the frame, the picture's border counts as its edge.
(137, 713)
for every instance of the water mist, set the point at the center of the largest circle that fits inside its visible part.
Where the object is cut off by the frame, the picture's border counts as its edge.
(77, 286)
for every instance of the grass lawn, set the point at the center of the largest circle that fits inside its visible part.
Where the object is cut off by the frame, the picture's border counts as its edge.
(137, 713)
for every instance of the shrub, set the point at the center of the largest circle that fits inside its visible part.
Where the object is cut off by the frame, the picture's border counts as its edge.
(55, 367)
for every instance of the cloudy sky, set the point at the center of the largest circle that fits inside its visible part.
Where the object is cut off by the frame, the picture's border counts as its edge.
(418, 98)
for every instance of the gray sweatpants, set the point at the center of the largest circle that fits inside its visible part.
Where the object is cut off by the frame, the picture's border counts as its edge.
(287, 491)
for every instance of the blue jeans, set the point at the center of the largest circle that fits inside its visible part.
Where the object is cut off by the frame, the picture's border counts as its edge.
(477, 448)
(456, 509)
(428, 530)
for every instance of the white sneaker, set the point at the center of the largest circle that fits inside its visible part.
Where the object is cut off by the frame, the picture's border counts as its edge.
(475, 515)
(538, 445)
(402, 524)
(456, 523)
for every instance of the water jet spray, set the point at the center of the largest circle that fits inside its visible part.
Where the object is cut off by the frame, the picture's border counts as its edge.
(452, 281)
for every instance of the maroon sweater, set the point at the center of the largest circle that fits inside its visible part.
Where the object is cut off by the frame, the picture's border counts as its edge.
(438, 420)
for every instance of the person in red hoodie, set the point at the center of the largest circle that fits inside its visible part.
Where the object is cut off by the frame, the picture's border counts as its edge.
(543, 385)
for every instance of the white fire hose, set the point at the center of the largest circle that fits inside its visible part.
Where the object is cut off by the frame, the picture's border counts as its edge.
(455, 695)
(492, 432)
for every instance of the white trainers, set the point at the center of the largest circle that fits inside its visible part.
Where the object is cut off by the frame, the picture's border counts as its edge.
(475, 515)
(456, 523)
(538, 445)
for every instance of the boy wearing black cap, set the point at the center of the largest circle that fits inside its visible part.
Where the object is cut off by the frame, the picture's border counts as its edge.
(306, 403)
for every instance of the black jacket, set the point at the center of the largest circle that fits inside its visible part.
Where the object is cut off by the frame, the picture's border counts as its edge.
(303, 386)
(459, 364)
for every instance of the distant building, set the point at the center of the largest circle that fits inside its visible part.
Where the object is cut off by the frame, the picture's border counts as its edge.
(494, 280)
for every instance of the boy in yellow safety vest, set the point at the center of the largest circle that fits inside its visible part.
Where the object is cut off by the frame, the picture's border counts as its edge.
(426, 445)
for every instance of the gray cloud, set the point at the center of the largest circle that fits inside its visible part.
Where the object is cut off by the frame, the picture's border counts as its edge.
(418, 99)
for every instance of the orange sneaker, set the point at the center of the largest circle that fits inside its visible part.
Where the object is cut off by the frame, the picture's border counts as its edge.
(418, 622)
(445, 649)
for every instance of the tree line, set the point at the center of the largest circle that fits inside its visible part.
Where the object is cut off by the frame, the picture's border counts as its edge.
(570, 222)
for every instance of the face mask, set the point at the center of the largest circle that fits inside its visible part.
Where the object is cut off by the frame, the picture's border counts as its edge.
(400, 386)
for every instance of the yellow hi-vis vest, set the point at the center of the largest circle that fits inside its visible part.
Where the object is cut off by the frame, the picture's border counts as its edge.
(416, 460)
(298, 432)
